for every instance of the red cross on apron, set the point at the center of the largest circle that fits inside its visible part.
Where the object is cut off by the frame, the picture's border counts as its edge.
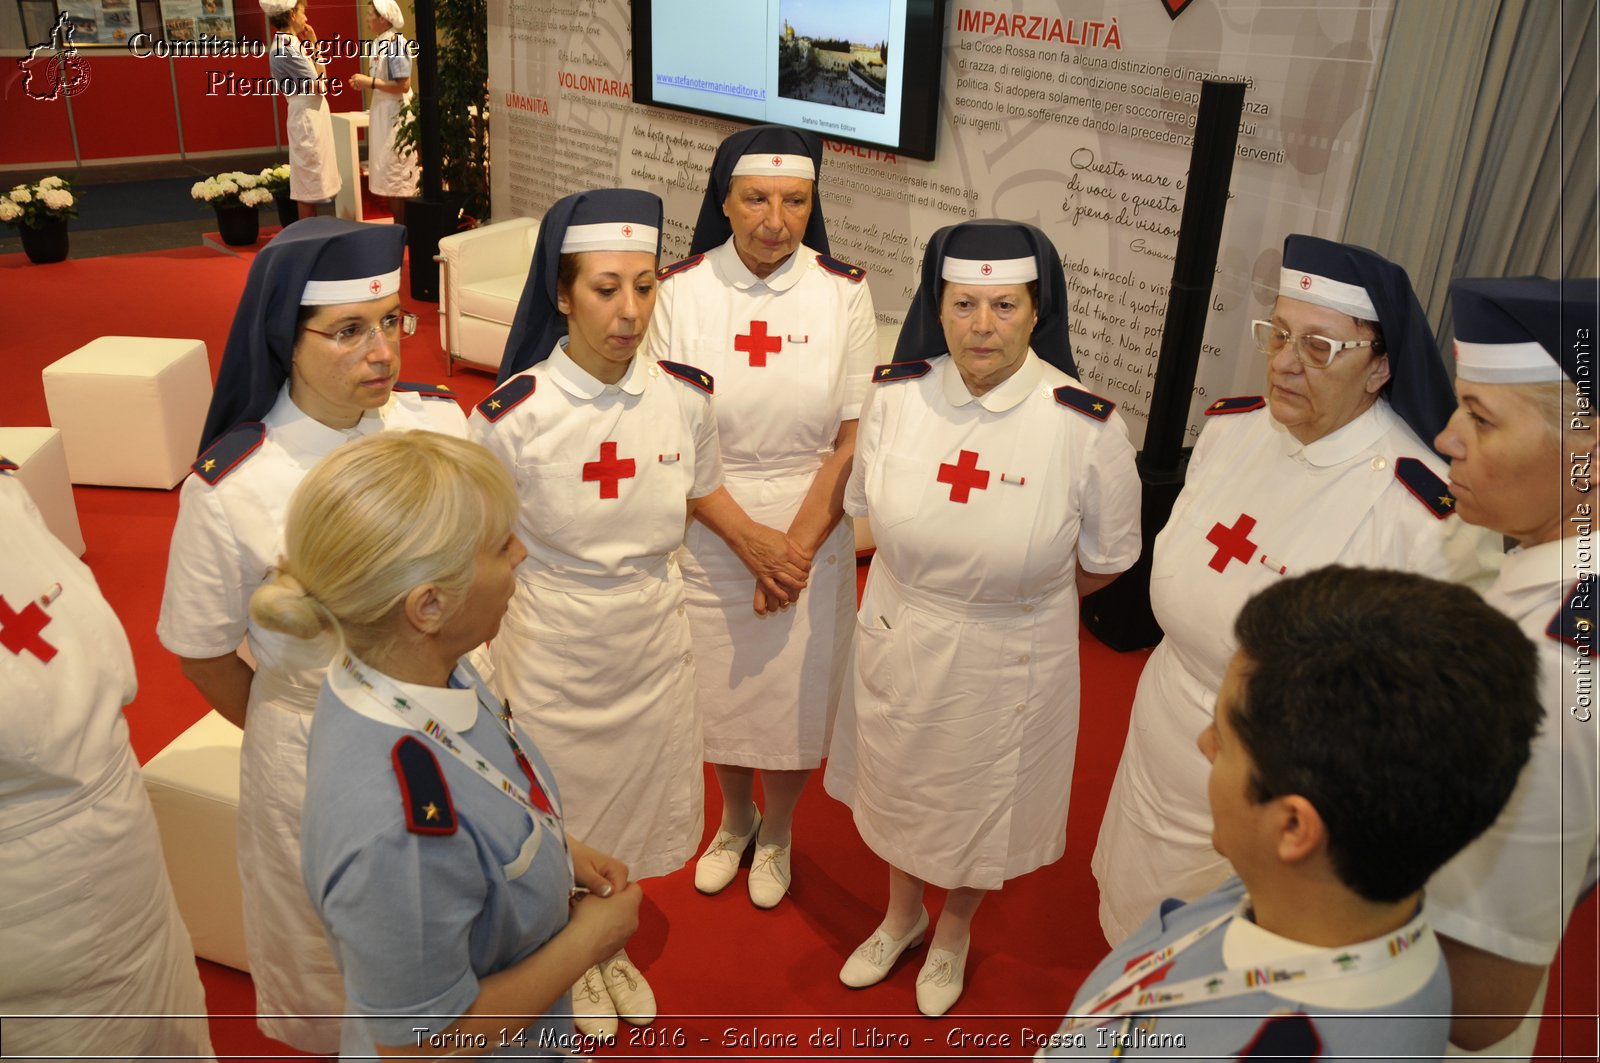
(964, 476)
(608, 470)
(757, 344)
(20, 631)
(1232, 543)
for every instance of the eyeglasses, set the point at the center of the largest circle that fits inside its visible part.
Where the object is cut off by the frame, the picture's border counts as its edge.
(1314, 351)
(353, 338)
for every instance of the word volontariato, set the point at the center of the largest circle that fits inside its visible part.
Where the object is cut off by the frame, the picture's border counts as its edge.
(204, 46)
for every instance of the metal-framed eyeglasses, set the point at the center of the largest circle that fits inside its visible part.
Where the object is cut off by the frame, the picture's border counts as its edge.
(353, 338)
(1315, 351)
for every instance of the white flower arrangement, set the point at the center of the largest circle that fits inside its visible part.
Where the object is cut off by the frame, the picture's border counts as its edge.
(275, 179)
(232, 189)
(36, 205)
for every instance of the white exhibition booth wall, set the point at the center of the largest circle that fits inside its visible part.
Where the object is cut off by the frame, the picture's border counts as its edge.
(1074, 115)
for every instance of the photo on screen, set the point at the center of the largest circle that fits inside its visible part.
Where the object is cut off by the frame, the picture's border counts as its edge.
(835, 52)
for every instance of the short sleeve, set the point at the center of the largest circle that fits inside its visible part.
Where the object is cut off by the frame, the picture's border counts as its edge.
(399, 913)
(707, 446)
(868, 437)
(399, 65)
(861, 349)
(205, 604)
(289, 63)
(502, 439)
(445, 417)
(1109, 536)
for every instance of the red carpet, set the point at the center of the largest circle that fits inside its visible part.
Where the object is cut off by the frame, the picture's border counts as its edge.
(732, 980)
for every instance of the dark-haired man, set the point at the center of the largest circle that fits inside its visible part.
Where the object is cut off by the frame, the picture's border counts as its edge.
(1371, 724)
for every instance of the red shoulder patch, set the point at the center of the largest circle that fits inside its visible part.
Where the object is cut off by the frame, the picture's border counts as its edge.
(229, 451)
(429, 809)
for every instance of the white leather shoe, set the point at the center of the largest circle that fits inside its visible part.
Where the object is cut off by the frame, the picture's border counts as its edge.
(634, 999)
(592, 1011)
(719, 864)
(941, 980)
(769, 875)
(871, 960)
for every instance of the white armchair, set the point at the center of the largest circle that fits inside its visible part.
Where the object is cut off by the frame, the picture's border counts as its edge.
(481, 274)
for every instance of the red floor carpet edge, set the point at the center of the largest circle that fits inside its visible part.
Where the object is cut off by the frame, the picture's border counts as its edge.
(732, 981)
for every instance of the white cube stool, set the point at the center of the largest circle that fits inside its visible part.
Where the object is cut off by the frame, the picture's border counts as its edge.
(130, 409)
(42, 470)
(194, 788)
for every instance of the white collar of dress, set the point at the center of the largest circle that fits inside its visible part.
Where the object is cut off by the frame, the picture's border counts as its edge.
(293, 428)
(1342, 444)
(1004, 396)
(455, 707)
(1544, 565)
(786, 276)
(576, 381)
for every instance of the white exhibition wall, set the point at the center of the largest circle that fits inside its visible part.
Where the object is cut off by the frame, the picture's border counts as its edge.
(1070, 114)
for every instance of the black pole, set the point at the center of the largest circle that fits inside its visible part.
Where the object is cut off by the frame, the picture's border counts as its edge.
(1120, 615)
(1205, 203)
(426, 218)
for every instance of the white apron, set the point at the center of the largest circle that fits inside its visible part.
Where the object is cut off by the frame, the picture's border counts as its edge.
(599, 671)
(389, 172)
(87, 918)
(756, 671)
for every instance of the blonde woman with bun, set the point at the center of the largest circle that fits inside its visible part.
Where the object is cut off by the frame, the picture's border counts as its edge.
(433, 845)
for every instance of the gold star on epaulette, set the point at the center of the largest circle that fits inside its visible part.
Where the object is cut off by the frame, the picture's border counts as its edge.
(208, 466)
(1217, 405)
(430, 810)
(442, 387)
(1099, 406)
(705, 380)
(885, 371)
(854, 272)
(1446, 501)
(494, 404)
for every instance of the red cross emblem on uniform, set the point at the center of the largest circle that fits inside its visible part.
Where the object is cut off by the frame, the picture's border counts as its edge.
(987, 269)
(757, 344)
(608, 470)
(777, 160)
(20, 631)
(1305, 282)
(1233, 544)
(964, 476)
(627, 230)
(375, 287)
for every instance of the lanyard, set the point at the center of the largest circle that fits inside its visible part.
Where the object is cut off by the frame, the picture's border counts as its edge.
(1125, 997)
(533, 798)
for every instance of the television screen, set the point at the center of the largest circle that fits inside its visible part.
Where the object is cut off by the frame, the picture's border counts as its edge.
(860, 71)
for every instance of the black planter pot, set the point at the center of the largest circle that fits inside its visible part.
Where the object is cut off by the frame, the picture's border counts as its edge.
(45, 243)
(238, 224)
(288, 209)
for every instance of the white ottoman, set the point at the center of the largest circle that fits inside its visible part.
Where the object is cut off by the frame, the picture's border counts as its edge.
(42, 470)
(130, 409)
(194, 788)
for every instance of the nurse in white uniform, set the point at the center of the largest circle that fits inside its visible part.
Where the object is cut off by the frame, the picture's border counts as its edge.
(610, 454)
(1522, 457)
(1331, 466)
(313, 174)
(999, 492)
(391, 172)
(311, 363)
(789, 334)
(88, 924)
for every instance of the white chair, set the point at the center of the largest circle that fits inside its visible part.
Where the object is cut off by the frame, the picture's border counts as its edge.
(481, 274)
(194, 788)
(41, 461)
(130, 409)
